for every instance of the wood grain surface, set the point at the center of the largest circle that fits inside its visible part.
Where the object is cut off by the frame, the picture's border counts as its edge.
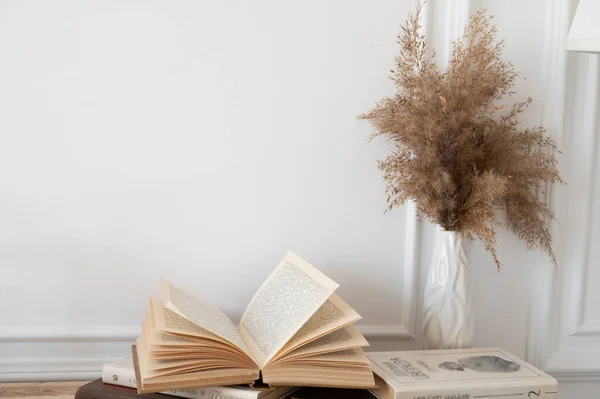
(38, 390)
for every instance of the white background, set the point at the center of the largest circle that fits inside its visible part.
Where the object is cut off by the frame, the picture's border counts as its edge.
(199, 141)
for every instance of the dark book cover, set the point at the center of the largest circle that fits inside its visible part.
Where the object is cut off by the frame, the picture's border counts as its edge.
(331, 393)
(99, 390)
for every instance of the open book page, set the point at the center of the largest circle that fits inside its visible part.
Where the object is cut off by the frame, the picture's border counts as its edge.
(332, 315)
(169, 347)
(201, 313)
(166, 320)
(282, 305)
(155, 337)
(344, 338)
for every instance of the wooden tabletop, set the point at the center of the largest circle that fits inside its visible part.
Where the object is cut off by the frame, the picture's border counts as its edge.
(40, 390)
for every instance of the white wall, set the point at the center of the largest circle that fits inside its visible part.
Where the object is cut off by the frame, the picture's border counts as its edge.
(201, 140)
(198, 141)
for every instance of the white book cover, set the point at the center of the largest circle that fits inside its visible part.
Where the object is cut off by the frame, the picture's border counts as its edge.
(489, 373)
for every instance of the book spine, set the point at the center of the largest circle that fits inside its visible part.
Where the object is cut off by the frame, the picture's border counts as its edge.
(115, 375)
(125, 377)
(525, 392)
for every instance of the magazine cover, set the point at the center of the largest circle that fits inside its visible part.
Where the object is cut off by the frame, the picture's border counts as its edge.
(458, 373)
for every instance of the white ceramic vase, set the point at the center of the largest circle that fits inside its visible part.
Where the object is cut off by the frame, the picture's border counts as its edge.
(448, 320)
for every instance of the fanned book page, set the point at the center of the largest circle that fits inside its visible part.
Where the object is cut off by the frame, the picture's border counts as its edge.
(332, 315)
(282, 305)
(200, 313)
(344, 338)
(295, 330)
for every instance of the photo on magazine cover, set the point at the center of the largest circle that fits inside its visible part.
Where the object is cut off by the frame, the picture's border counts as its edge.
(451, 366)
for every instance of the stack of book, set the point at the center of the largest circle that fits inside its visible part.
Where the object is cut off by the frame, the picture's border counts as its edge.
(488, 373)
(296, 339)
(121, 373)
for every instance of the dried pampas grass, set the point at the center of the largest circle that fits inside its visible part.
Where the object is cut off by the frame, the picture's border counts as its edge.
(466, 164)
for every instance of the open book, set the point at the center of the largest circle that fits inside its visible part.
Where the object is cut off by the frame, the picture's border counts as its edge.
(294, 332)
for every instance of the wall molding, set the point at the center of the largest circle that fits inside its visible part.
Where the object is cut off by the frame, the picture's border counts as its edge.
(574, 366)
(50, 369)
(588, 329)
(129, 334)
(407, 330)
(545, 297)
(559, 340)
(69, 334)
(60, 353)
(386, 333)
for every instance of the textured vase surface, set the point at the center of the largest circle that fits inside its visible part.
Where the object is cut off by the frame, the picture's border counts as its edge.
(448, 320)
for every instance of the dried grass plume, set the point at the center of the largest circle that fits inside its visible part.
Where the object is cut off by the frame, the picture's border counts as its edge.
(465, 162)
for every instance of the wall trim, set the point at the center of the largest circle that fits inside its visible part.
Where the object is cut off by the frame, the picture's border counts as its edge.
(555, 320)
(129, 334)
(574, 366)
(545, 300)
(408, 328)
(588, 329)
(50, 369)
(68, 334)
(386, 333)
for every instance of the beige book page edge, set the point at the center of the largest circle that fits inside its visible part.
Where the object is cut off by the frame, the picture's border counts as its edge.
(166, 348)
(355, 356)
(354, 340)
(349, 316)
(199, 353)
(183, 363)
(329, 285)
(193, 344)
(193, 369)
(193, 380)
(149, 369)
(201, 357)
(321, 376)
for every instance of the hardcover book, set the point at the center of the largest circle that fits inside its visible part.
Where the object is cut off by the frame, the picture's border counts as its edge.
(489, 373)
(294, 332)
(98, 390)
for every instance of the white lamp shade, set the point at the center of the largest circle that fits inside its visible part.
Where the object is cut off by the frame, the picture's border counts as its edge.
(584, 35)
